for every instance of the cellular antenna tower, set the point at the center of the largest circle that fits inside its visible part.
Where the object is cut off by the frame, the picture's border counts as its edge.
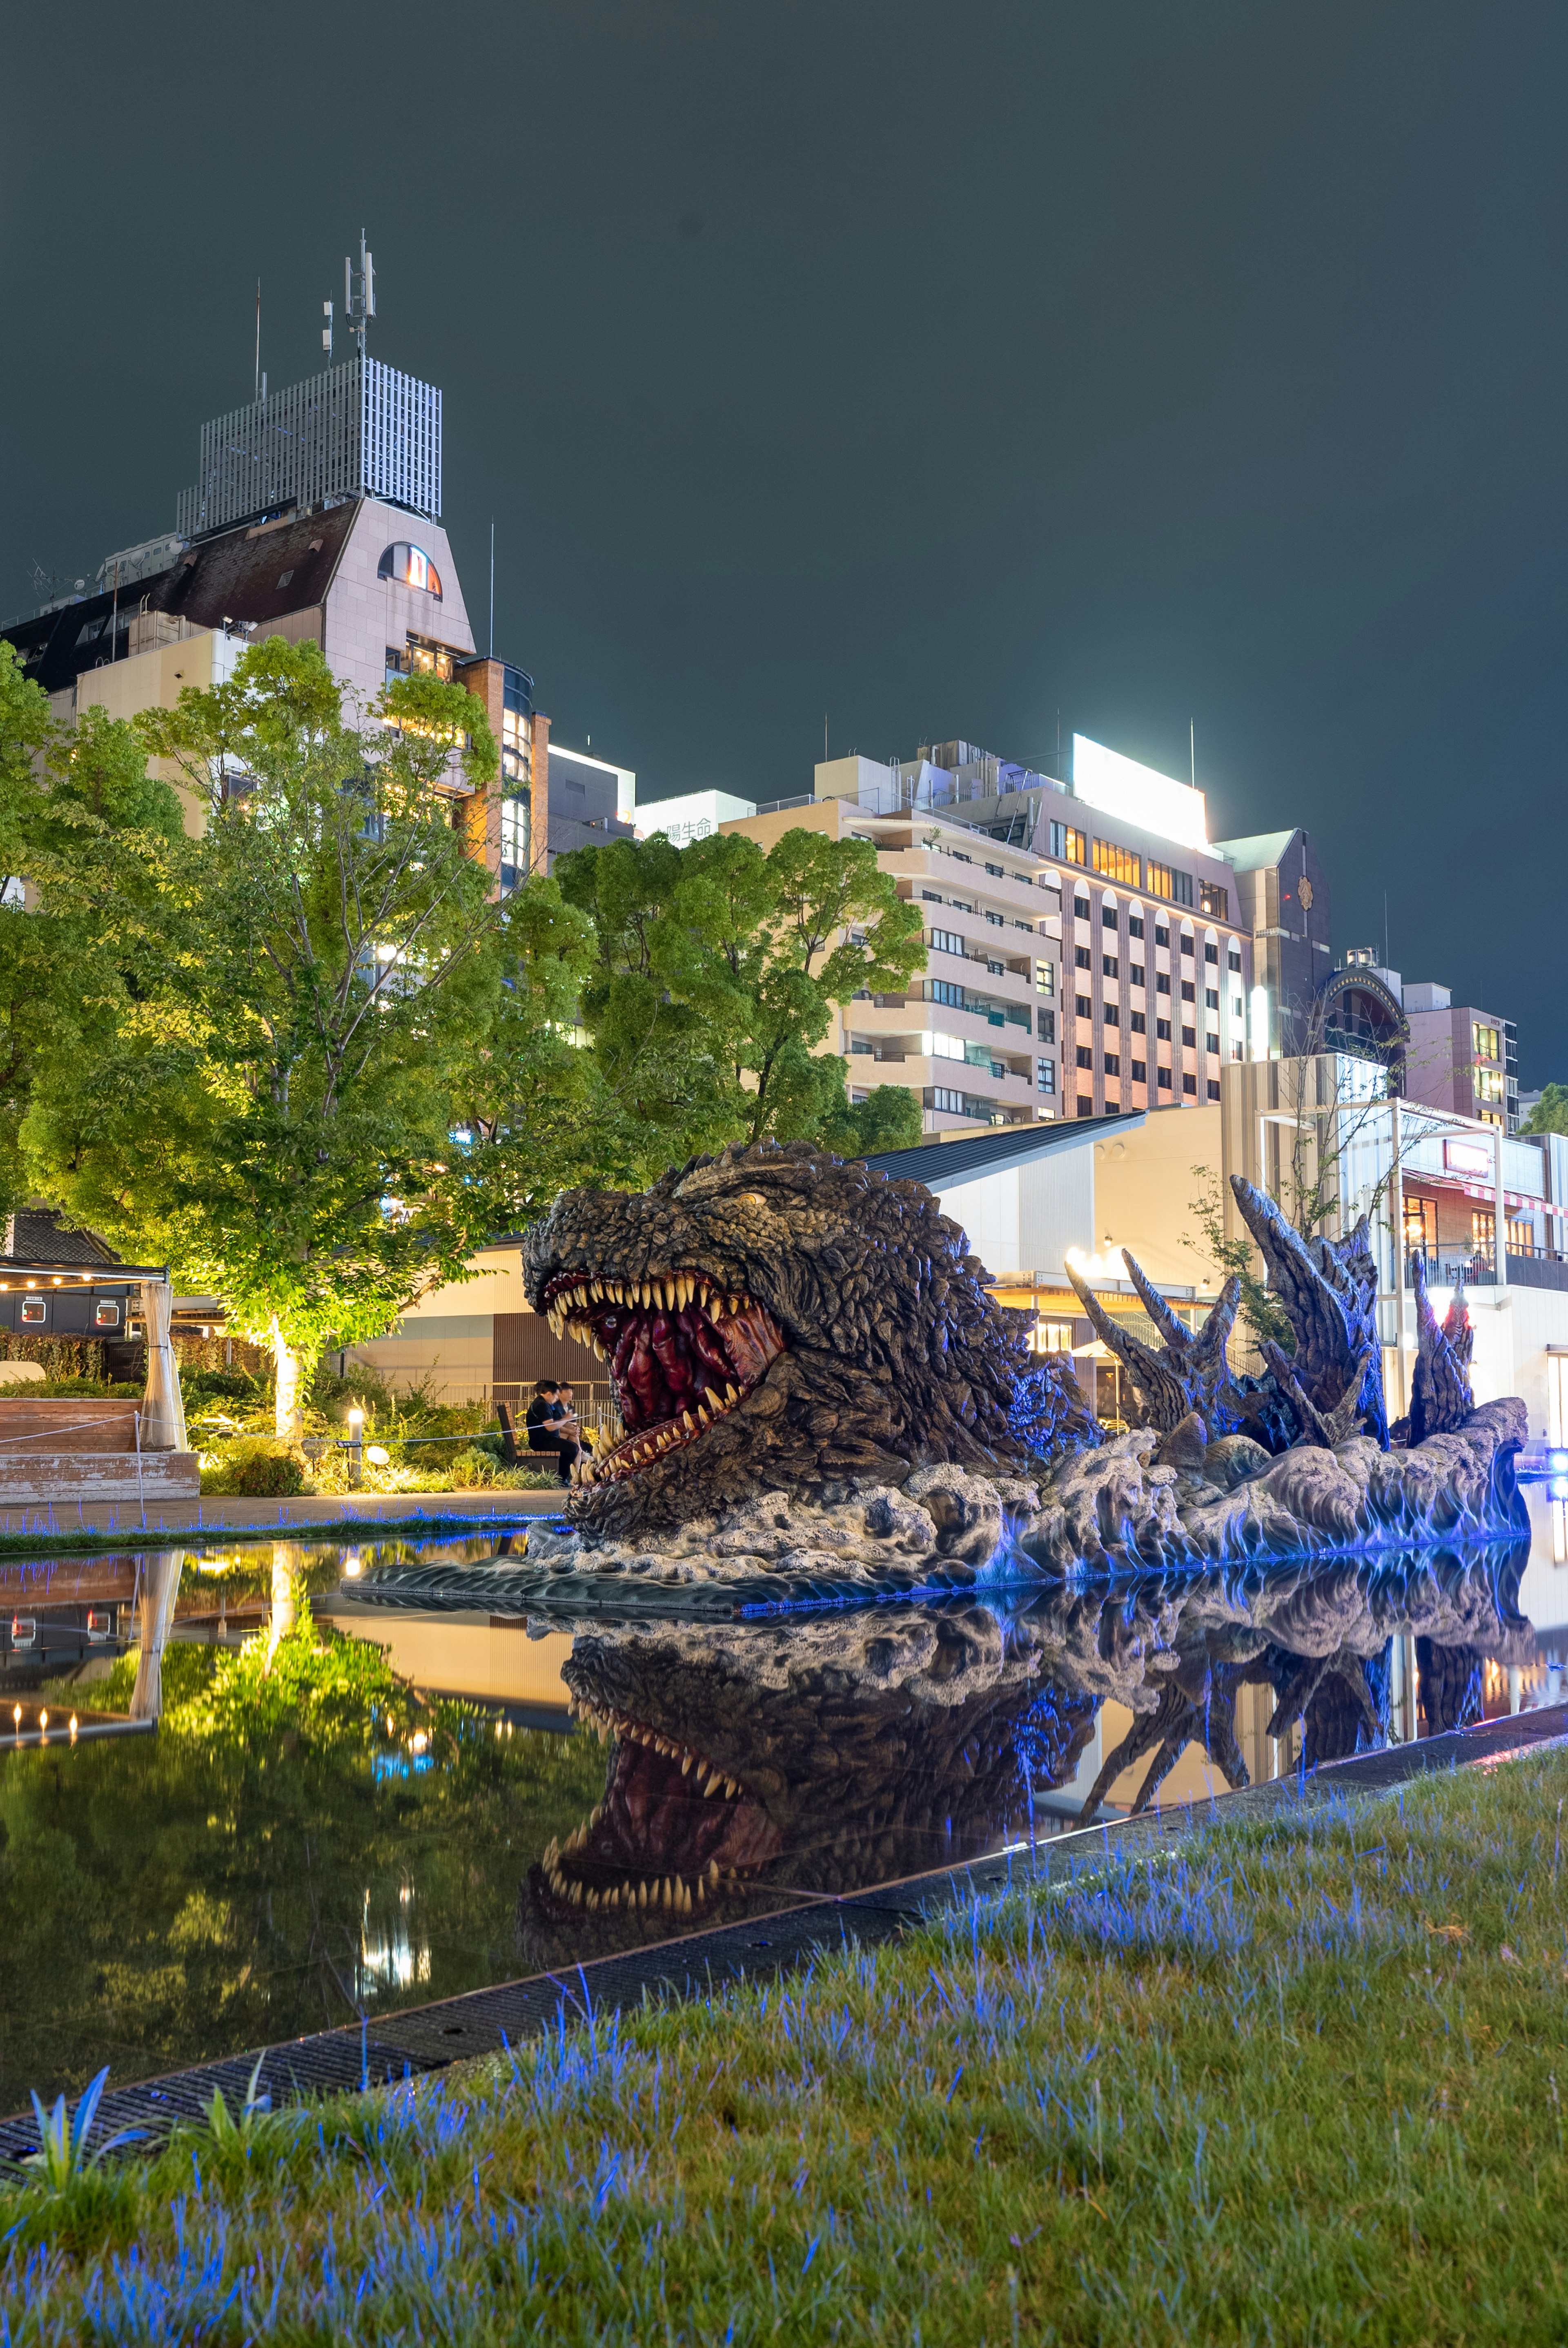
(359, 293)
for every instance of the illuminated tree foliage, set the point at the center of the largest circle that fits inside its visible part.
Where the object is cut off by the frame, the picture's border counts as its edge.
(717, 970)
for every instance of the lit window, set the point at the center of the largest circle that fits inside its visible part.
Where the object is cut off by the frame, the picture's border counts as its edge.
(1485, 1042)
(1045, 977)
(1118, 863)
(1068, 844)
(515, 850)
(411, 567)
(1176, 888)
(1213, 901)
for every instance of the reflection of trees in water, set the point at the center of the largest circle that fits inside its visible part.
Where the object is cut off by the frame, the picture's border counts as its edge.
(232, 1879)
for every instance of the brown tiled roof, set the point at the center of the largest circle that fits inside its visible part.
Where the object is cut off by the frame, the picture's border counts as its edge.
(260, 573)
(36, 1235)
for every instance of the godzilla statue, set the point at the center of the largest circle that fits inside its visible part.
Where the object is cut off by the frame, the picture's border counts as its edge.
(816, 1387)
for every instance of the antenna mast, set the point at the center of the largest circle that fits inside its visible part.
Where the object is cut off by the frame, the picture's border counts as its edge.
(359, 293)
(258, 390)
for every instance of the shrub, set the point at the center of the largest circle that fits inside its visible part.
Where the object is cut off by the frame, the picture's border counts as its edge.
(255, 1467)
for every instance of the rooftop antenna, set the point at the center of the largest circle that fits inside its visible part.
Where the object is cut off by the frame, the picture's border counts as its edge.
(327, 331)
(492, 586)
(359, 293)
(258, 389)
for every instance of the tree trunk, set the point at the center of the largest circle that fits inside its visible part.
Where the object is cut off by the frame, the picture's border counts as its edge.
(285, 1600)
(289, 1372)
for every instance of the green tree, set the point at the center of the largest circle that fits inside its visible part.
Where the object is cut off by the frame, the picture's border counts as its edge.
(274, 1112)
(717, 969)
(88, 831)
(1550, 1113)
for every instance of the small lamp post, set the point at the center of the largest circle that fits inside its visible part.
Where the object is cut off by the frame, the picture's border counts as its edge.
(355, 1449)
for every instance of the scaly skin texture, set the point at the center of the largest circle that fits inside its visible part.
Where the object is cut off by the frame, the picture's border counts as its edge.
(778, 1320)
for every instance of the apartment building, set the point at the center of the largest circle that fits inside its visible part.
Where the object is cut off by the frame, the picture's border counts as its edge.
(1461, 1057)
(1086, 952)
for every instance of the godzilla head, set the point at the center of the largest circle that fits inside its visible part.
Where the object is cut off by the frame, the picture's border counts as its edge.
(776, 1319)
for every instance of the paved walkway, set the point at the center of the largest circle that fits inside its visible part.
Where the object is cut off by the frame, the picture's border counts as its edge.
(436, 1512)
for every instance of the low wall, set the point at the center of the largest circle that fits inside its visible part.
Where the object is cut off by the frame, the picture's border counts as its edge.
(64, 1477)
(68, 1423)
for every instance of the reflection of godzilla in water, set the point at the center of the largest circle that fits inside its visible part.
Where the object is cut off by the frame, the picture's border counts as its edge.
(816, 1756)
(821, 1755)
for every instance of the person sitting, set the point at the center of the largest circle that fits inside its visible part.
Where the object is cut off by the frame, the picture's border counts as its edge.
(579, 1434)
(549, 1428)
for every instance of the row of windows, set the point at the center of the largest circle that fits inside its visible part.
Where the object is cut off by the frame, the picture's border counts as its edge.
(1163, 1083)
(1111, 919)
(1132, 870)
(1138, 1025)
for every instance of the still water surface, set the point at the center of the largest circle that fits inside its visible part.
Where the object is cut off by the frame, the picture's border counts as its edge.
(179, 1896)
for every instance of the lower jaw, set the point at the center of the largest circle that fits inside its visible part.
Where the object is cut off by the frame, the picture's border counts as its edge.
(641, 1451)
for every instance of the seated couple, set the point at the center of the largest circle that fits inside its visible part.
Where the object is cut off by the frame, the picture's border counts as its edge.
(553, 1425)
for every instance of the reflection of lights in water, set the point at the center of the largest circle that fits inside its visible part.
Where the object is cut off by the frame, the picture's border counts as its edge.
(351, 1564)
(391, 1959)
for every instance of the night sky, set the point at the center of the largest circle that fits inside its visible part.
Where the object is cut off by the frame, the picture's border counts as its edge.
(934, 370)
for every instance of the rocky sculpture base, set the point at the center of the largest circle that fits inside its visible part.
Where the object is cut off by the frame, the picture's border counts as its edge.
(1141, 1499)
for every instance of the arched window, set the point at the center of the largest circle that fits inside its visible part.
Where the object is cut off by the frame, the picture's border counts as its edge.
(411, 567)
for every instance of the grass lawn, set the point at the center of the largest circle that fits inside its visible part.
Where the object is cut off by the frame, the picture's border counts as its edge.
(1298, 2082)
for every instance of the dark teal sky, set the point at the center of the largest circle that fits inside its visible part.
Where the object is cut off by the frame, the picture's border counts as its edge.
(934, 369)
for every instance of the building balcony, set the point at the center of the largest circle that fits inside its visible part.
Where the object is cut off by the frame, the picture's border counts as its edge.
(1011, 1078)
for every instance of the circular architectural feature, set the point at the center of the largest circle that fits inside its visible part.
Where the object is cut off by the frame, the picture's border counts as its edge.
(1363, 1018)
(411, 567)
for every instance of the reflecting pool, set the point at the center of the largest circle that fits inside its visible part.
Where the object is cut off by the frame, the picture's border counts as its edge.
(457, 1794)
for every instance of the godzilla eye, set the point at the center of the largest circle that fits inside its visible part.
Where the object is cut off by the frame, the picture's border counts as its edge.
(751, 1199)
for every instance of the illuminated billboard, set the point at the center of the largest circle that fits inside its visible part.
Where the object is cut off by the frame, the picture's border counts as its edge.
(1119, 786)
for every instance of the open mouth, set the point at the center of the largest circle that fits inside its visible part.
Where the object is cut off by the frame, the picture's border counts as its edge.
(682, 1353)
(673, 1831)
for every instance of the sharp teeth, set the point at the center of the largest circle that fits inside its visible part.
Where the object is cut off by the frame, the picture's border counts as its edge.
(701, 1893)
(712, 1870)
(686, 1761)
(688, 1422)
(596, 1814)
(731, 1395)
(705, 1417)
(664, 1894)
(576, 1895)
(715, 1785)
(730, 1789)
(642, 1893)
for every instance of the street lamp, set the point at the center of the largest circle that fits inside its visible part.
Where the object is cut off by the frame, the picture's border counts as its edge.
(355, 1449)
